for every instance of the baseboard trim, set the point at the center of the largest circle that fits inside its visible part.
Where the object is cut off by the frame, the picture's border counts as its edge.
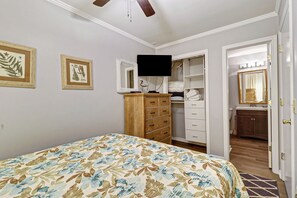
(186, 141)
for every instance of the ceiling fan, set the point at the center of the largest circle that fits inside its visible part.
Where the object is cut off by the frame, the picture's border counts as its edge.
(144, 4)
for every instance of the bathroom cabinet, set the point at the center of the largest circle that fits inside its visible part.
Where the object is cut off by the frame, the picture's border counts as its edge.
(252, 123)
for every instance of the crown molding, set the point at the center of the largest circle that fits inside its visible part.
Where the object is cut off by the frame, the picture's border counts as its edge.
(85, 15)
(220, 29)
(277, 6)
(284, 15)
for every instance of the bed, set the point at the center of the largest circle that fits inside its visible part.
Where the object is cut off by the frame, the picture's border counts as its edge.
(116, 165)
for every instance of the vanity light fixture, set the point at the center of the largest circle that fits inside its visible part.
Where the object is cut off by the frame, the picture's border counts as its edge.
(252, 64)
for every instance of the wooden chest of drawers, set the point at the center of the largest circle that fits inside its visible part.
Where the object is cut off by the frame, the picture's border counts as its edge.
(148, 116)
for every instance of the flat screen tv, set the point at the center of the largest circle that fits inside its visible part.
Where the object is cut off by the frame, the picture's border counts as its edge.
(154, 65)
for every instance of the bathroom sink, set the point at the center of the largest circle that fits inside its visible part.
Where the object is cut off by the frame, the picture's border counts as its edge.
(252, 108)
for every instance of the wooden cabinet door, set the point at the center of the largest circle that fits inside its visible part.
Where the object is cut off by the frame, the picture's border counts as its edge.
(245, 125)
(261, 126)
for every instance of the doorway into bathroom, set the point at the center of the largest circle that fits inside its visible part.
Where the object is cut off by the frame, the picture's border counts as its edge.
(249, 78)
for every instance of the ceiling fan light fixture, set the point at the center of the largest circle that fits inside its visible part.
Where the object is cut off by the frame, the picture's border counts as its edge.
(100, 3)
(144, 5)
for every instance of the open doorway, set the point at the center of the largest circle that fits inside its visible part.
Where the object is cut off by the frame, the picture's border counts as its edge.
(272, 96)
(249, 78)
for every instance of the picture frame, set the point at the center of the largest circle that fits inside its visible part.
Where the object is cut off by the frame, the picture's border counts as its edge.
(17, 65)
(76, 73)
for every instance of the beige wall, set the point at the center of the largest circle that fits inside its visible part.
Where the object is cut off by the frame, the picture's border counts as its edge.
(34, 119)
(214, 44)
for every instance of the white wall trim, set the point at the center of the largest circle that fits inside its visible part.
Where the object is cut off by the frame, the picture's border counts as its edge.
(281, 110)
(190, 54)
(185, 141)
(130, 36)
(207, 114)
(99, 22)
(220, 29)
(180, 139)
(284, 14)
(193, 54)
(275, 143)
(292, 14)
(277, 6)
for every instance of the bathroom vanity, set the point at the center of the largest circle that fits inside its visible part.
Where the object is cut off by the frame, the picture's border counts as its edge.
(252, 122)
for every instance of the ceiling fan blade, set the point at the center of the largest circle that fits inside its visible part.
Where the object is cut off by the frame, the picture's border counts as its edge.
(100, 3)
(146, 7)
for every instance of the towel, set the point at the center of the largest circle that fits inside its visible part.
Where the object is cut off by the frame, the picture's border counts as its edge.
(175, 86)
(192, 93)
(196, 98)
(176, 94)
(175, 89)
(177, 98)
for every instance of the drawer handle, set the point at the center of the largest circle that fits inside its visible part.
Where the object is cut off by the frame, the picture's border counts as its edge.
(164, 101)
(153, 113)
(152, 102)
(194, 125)
(194, 113)
(194, 136)
(151, 125)
(164, 111)
(165, 121)
(166, 133)
(194, 105)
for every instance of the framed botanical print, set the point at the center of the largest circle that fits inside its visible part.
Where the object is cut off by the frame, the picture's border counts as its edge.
(17, 65)
(76, 73)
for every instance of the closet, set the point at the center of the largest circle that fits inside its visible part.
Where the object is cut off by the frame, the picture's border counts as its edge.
(187, 84)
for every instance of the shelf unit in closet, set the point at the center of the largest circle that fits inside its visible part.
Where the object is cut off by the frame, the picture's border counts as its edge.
(195, 119)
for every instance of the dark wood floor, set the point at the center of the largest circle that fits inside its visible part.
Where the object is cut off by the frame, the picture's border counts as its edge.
(251, 156)
(248, 155)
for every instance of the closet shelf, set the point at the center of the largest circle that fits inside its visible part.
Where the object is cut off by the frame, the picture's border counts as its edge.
(194, 76)
(194, 87)
(177, 101)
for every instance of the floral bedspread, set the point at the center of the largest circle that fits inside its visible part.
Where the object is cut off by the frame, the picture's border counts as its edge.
(117, 165)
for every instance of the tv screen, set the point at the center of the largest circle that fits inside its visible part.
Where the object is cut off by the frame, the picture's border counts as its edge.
(154, 65)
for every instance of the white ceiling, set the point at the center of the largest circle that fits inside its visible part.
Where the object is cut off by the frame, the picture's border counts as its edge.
(175, 19)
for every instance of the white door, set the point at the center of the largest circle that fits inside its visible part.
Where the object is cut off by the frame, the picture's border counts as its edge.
(287, 107)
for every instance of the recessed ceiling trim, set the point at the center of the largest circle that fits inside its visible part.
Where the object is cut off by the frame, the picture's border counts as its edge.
(220, 29)
(99, 22)
(130, 36)
(284, 15)
(277, 6)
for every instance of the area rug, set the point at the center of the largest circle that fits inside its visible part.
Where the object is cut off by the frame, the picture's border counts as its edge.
(259, 186)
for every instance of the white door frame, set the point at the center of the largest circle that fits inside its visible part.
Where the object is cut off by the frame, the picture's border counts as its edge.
(280, 111)
(274, 86)
(205, 54)
(280, 71)
(292, 31)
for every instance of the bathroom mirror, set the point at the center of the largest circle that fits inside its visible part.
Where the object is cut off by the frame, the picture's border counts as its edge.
(127, 76)
(252, 87)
